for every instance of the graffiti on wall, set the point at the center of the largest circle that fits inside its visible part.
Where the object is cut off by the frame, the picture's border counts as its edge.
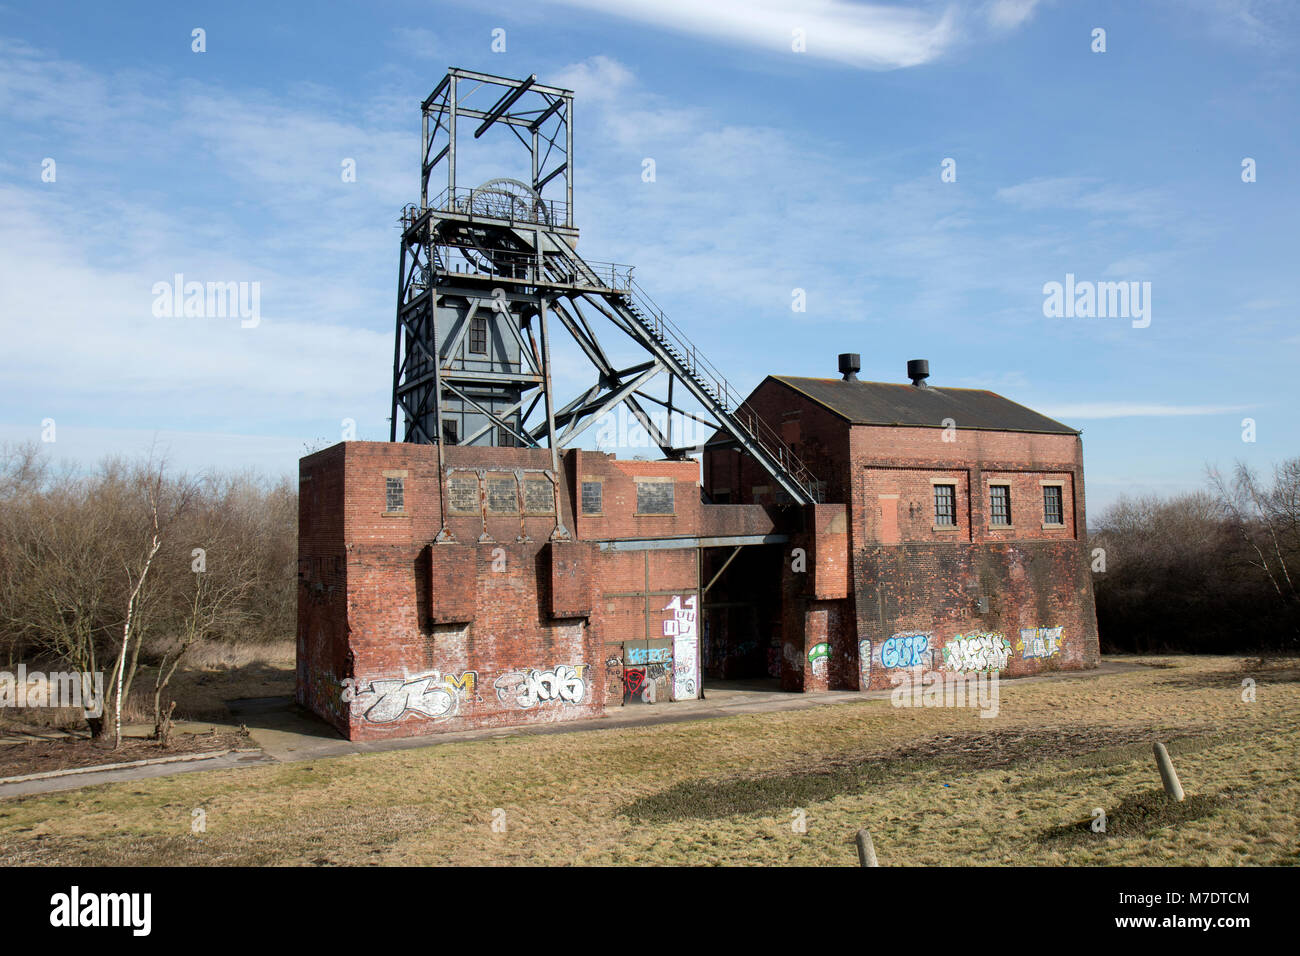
(976, 653)
(1039, 641)
(906, 650)
(432, 695)
(681, 627)
(864, 664)
(649, 655)
(613, 679)
(646, 684)
(819, 656)
(562, 684)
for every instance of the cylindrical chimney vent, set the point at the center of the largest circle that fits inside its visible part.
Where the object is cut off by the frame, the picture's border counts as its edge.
(850, 365)
(918, 370)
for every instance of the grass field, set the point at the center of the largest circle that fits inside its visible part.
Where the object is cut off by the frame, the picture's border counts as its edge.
(934, 786)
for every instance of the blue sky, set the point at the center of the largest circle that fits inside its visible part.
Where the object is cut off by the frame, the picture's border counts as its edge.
(775, 170)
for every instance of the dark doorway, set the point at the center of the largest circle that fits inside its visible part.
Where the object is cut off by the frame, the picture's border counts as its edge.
(741, 639)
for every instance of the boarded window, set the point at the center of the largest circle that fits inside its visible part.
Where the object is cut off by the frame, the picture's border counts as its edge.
(462, 495)
(945, 505)
(1052, 511)
(394, 494)
(654, 497)
(502, 496)
(889, 519)
(478, 336)
(592, 497)
(1000, 504)
(539, 498)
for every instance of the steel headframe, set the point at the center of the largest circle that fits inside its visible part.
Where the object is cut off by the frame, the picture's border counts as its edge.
(515, 242)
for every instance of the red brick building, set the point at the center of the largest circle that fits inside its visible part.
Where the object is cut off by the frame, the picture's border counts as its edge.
(504, 591)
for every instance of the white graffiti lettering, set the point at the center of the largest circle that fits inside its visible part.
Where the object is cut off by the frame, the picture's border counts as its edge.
(563, 684)
(976, 653)
(388, 699)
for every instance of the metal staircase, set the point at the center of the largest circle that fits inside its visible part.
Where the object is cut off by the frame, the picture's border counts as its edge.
(648, 323)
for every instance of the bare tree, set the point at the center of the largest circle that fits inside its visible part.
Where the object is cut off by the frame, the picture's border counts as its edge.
(1262, 517)
(213, 596)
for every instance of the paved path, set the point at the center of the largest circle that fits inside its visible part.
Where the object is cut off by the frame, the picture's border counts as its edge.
(285, 733)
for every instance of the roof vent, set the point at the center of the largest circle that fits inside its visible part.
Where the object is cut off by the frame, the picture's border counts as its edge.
(918, 370)
(850, 365)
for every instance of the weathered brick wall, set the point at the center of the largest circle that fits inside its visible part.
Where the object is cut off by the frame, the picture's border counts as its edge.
(818, 633)
(918, 588)
(461, 611)
(322, 586)
(494, 623)
(911, 577)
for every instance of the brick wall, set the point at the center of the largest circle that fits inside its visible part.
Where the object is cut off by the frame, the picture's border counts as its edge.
(493, 598)
(947, 599)
(910, 576)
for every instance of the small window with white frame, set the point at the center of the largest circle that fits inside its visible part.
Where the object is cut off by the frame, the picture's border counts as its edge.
(945, 506)
(1000, 505)
(1053, 506)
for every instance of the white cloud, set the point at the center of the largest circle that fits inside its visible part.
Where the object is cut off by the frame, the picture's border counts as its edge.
(1143, 207)
(598, 79)
(1008, 14)
(868, 36)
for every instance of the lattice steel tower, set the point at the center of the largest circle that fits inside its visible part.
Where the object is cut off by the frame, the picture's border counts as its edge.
(486, 269)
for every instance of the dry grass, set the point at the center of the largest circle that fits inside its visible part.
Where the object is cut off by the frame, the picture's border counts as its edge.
(935, 787)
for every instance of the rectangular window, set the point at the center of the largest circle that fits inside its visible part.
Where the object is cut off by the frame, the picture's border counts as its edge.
(450, 433)
(1052, 511)
(592, 497)
(654, 497)
(945, 505)
(1000, 504)
(394, 494)
(504, 438)
(478, 336)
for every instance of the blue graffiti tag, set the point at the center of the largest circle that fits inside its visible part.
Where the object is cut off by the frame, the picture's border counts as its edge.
(651, 655)
(904, 650)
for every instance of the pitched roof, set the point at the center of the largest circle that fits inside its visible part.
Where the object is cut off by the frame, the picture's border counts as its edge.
(886, 403)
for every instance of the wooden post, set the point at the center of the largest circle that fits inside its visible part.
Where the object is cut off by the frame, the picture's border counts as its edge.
(1167, 774)
(866, 850)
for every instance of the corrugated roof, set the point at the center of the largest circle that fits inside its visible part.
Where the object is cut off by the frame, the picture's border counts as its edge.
(886, 403)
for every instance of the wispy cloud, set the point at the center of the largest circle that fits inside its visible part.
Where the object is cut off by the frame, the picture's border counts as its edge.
(1009, 14)
(1137, 206)
(868, 36)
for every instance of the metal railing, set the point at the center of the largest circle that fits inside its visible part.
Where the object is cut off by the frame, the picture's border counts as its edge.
(494, 263)
(499, 204)
(707, 375)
